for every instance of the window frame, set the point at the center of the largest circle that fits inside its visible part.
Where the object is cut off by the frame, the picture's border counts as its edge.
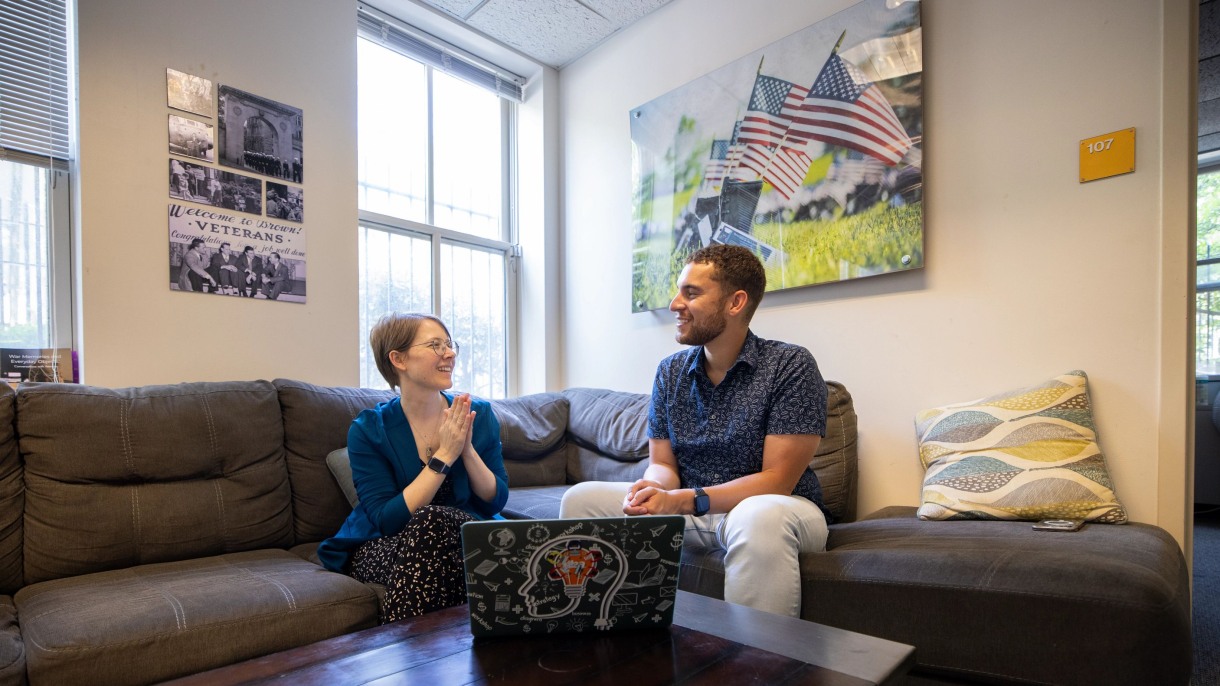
(58, 254)
(507, 245)
(1208, 165)
(38, 130)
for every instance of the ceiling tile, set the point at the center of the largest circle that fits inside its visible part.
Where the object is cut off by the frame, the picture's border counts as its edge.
(1209, 117)
(624, 12)
(1209, 30)
(458, 8)
(554, 32)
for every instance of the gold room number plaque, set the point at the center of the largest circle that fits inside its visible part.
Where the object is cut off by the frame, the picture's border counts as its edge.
(1109, 154)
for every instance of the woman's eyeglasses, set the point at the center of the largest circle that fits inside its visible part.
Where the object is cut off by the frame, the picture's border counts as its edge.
(439, 347)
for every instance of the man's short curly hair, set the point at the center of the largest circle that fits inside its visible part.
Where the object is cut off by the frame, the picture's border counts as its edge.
(736, 269)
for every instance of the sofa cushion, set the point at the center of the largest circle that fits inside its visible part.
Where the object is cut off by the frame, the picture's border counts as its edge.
(531, 426)
(612, 422)
(835, 460)
(128, 476)
(12, 496)
(999, 600)
(546, 471)
(1027, 454)
(154, 622)
(534, 502)
(585, 464)
(340, 466)
(316, 419)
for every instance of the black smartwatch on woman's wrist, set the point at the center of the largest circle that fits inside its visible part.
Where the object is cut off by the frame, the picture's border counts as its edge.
(438, 465)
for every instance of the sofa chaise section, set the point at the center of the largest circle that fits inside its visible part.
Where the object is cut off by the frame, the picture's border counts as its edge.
(156, 523)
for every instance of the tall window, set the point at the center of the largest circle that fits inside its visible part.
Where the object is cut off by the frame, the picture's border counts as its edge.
(35, 286)
(436, 168)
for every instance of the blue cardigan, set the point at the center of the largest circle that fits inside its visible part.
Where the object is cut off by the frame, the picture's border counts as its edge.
(381, 448)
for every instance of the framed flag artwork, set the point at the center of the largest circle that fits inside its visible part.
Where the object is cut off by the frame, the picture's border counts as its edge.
(807, 151)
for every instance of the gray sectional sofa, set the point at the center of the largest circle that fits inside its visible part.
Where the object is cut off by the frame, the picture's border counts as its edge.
(149, 533)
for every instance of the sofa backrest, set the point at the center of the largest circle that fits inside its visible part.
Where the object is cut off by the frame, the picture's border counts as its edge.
(12, 496)
(127, 476)
(612, 424)
(316, 419)
(609, 431)
(533, 436)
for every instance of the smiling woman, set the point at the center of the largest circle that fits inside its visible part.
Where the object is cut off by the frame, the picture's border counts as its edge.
(423, 464)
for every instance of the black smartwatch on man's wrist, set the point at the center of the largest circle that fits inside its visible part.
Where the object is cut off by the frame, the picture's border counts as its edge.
(438, 465)
(703, 503)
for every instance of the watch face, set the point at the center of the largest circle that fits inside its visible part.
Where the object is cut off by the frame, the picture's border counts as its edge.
(703, 503)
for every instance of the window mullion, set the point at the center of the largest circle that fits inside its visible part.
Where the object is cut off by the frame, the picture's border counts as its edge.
(511, 234)
(436, 276)
(430, 192)
(508, 158)
(430, 211)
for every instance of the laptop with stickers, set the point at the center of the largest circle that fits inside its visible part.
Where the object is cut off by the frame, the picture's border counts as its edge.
(546, 576)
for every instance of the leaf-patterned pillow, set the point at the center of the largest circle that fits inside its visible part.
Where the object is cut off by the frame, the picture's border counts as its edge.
(1028, 454)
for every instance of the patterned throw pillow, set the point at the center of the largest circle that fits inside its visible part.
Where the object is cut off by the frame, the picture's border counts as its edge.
(1028, 454)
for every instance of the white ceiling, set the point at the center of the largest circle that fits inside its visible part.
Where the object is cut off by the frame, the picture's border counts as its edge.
(553, 32)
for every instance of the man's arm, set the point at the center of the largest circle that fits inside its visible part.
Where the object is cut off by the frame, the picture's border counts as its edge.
(785, 458)
(661, 474)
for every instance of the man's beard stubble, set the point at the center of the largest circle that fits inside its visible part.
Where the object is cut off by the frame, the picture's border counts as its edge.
(702, 334)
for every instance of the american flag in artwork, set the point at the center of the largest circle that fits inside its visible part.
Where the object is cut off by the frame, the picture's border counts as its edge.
(713, 171)
(787, 170)
(759, 139)
(845, 109)
(746, 161)
(773, 103)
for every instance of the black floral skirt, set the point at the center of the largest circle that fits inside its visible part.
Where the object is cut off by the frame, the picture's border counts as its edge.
(420, 566)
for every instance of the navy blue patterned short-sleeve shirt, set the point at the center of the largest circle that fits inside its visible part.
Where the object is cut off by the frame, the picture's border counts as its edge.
(717, 431)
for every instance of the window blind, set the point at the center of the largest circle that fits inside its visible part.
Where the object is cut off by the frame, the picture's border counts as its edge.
(34, 81)
(436, 53)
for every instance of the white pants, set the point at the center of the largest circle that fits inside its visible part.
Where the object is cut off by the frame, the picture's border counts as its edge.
(762, 537)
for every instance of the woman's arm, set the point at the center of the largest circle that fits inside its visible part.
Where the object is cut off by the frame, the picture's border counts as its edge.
(483, 459)
(368, 452)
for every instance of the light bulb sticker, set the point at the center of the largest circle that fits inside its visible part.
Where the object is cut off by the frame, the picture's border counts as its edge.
(573, 566)
(559, 574)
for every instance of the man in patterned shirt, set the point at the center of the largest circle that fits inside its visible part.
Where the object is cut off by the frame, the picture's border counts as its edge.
(733, 426)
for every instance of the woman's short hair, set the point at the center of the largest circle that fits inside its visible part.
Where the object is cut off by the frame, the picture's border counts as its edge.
(396, 332)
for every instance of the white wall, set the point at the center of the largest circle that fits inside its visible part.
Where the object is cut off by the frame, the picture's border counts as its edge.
(134, 330)
(1029, 273)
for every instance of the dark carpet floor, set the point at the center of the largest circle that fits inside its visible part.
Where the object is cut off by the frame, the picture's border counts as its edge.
(1206, 601)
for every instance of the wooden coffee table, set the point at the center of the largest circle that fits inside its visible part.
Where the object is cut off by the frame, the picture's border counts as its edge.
(710, 642)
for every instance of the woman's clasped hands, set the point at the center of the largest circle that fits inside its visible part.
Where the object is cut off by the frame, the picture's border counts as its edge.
(456, 430)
